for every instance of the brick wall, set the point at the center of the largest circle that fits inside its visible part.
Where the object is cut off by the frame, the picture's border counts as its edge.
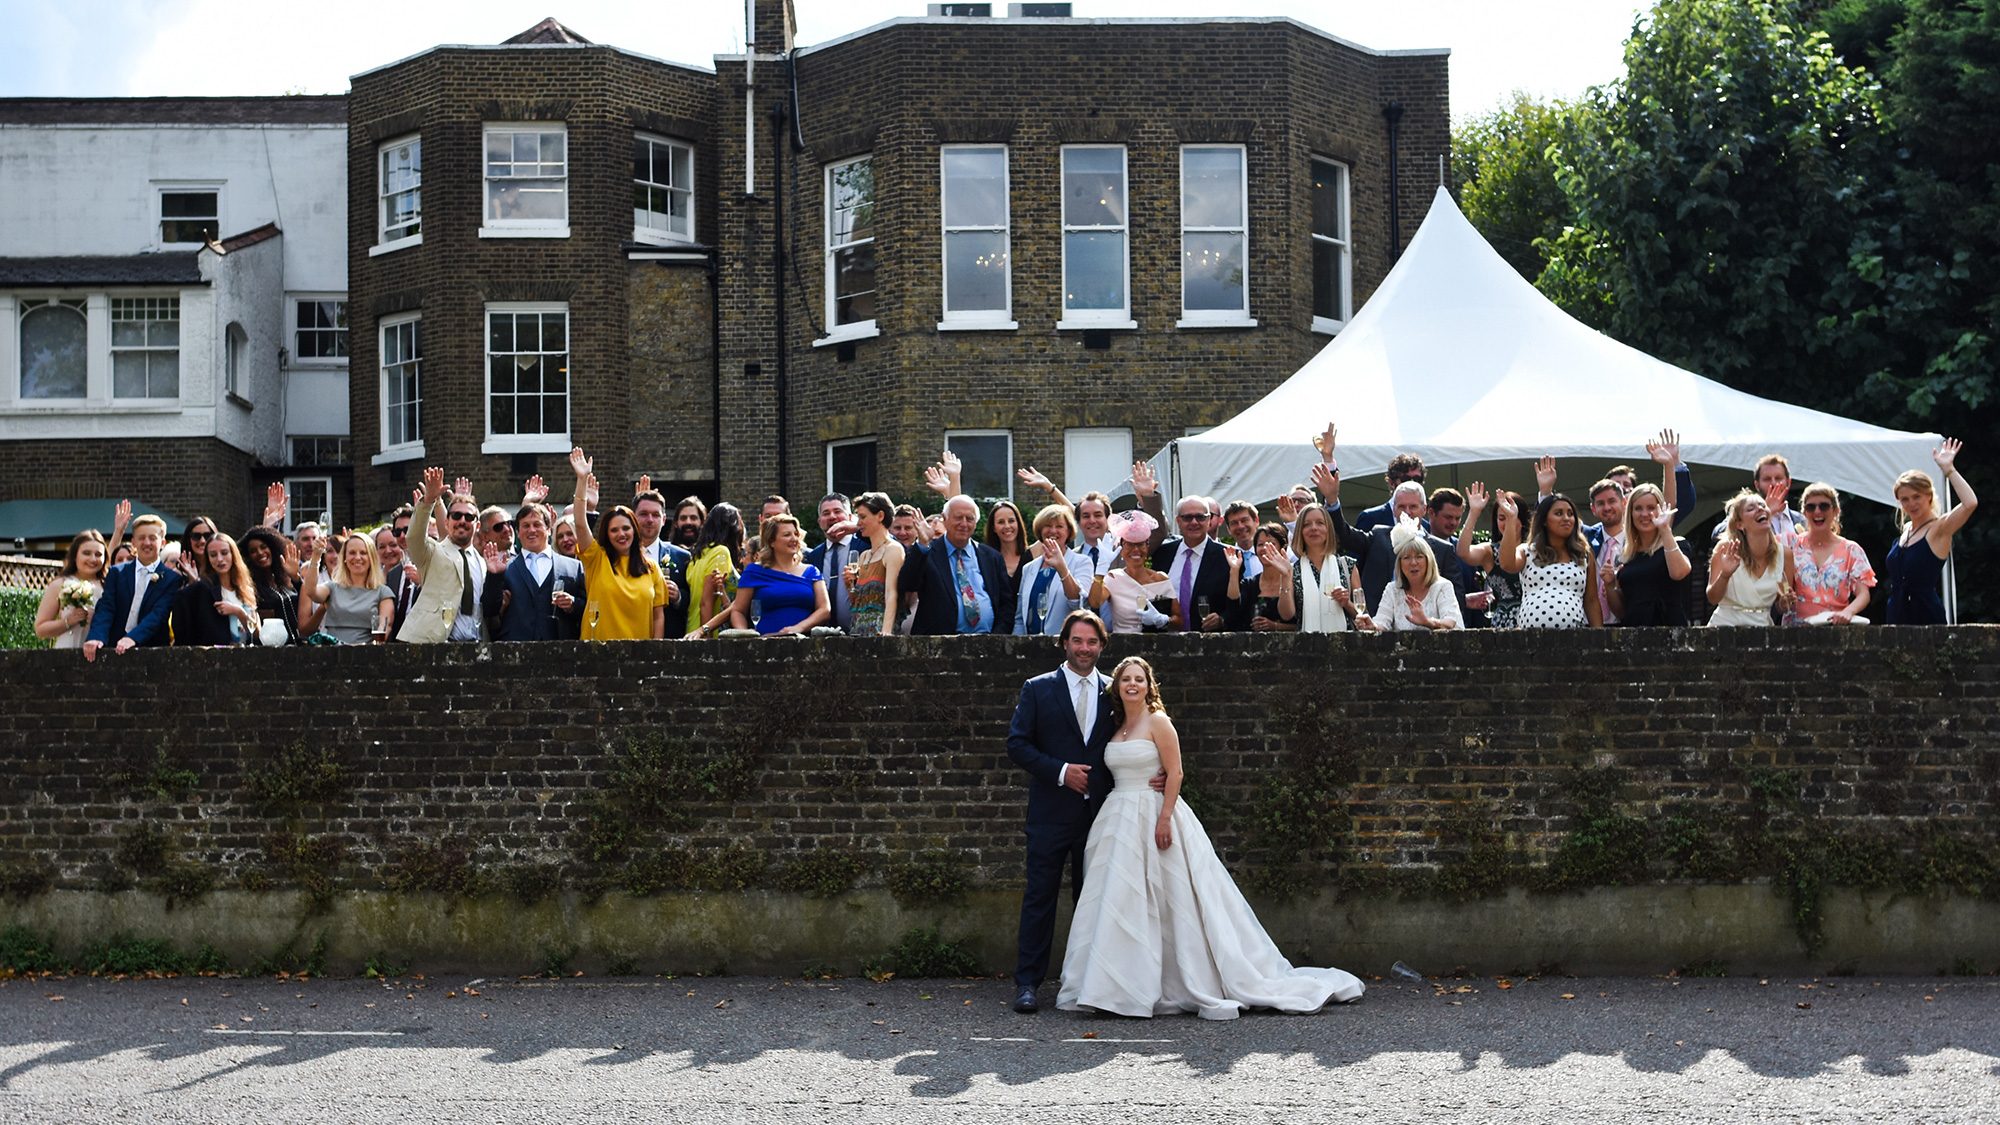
(888, 749)
(187, 477)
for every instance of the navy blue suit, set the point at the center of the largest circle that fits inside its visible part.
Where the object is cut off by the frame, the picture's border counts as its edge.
(1683, 507)
(1042, 739)
(673, 562)
(531, 614)
(108, 623)
(817, 557)
(927, 573)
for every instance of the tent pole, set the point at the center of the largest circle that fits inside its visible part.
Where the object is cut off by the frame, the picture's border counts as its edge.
(1950, 568)
(1173, 475)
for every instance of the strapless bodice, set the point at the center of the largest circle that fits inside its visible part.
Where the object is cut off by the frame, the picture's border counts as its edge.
(1132, 763)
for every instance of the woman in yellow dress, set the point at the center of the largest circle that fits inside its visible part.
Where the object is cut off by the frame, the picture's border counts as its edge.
(718, 558)
(627, 595)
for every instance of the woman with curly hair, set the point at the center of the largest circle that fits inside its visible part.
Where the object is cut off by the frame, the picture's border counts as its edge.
(789, 590)
(1750, 571)
(1558, 580)
(718, 556)
(220, 608)
(264, 551)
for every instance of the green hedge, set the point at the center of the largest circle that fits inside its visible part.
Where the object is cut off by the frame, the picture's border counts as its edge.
(17, 618)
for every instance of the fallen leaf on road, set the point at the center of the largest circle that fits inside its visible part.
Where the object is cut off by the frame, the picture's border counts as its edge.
(476, 992)
(220, 1027)
(246, 1019)
(65, 998)
(878, 1023)
(895, 1031)
(454, 995)
(1802, 1004)
(1090, 1035)
(1569, 995)
(184, 1001)
(1680, 1042)
(1506, 984)
(720, 1003)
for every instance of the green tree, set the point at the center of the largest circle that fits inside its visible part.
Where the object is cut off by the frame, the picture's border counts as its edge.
(1505, 179)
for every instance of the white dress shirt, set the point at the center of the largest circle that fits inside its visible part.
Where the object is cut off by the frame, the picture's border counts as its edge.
(142, 577)
(1092, 699)
(539, 564)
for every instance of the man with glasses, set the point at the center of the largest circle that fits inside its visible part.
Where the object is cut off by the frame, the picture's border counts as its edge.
(449, 571)
(1197, 571)
(496, 530)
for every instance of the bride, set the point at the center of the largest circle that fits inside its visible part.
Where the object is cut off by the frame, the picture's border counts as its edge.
(1160, 926)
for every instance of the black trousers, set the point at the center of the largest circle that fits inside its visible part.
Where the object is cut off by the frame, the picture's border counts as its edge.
(1051, 847)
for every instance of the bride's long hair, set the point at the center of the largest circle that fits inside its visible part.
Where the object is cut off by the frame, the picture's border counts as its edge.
(1153, 703)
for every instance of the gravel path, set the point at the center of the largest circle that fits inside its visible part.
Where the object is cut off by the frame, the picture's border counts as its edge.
(742, 1049)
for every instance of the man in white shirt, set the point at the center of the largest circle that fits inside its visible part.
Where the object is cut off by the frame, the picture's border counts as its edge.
(1093, 513)
(836, 522)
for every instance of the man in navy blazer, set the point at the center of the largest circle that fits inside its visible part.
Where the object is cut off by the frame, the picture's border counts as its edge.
(985, 604)
(1067, 782)
(1194, 546)
(524, 603)
(138, 595)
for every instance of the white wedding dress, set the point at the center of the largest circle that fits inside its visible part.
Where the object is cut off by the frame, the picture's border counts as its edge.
(1157, 932)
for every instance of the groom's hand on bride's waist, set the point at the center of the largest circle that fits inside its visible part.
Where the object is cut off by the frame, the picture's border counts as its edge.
(1077, 777)
(1159, 782)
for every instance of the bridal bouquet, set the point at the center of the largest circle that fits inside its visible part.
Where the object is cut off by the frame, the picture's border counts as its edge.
(76, 594)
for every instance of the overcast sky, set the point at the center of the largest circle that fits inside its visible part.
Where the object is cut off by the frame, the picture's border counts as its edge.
(83, 48)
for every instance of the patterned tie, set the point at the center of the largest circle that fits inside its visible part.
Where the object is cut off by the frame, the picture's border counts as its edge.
(1187, 588)
(968, 599)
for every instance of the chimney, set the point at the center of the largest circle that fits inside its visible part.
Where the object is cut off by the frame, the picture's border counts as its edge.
(776, 26)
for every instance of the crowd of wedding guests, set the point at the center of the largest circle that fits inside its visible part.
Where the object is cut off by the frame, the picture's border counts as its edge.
(445, 568)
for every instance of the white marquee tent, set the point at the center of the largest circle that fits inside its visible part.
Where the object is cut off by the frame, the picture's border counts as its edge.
(1459, 360)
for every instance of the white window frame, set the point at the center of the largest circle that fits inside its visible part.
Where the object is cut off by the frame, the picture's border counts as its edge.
(525, 443)
(405, 450)
(164, 188)
(654, 235)
(17, 307)
(1218, 318)
(293, 511)
(179, 349)
(1327, 325)
(845, 442)
(384, 241)
(298, 359)
(982, 319)
(1073, 486)
(523, 228)
(855, 330)
(1007, 475)
(235, 359)
(1095, 318)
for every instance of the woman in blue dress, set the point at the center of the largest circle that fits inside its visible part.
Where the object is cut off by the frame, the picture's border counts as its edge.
(790, 590)
(1917, 560)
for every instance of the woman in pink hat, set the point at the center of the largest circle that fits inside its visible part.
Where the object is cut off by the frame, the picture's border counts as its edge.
(1124, 596)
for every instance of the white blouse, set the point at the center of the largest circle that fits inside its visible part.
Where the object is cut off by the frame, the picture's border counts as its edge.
(1440, 604)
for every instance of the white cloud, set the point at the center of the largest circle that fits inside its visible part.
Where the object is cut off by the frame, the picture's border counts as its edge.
(114, 47)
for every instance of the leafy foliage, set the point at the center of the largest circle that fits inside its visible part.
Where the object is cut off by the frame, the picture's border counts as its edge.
(17, 618)
(24, 951)
(922, 953)
(441, 867)
(300, 775)
(162, 778)
(822, 874)
(934, 876)
(733, 868)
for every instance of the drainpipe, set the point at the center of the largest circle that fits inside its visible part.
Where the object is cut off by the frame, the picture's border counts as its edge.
(749, 97)
(715, 366)
(780, 383)
(1393, 112)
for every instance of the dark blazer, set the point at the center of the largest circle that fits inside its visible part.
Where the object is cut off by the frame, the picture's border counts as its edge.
(927, 573)
(673, 563)
(195, 621)
(1377, 556)
(531, 614)
(1381, 515)
(1043, 737)
(817, 558)
(1211, 581)
(1683, 507)
(405, 589)
(108, 623)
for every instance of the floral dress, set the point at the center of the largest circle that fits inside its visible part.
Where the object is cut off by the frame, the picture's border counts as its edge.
(1828, 588)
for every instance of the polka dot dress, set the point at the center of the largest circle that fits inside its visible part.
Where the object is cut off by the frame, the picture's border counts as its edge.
(1552, 596)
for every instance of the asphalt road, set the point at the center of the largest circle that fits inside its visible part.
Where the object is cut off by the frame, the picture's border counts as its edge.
(743, 1049)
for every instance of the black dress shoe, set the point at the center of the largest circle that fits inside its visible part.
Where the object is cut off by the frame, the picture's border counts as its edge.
(1025, 1002)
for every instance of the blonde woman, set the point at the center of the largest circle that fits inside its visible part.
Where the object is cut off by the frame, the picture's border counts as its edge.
(871, 577)
(1917, 560)
(1834, 576)
(1050, 586)
(1750, 571)
(1318, 587)
(1159, 926)
(1649, 585)
(1416, 598)
(359, 604)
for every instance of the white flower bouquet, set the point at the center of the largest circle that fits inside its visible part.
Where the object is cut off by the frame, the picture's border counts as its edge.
(76, 594)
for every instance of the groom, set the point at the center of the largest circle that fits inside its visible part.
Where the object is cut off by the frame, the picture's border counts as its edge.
(1058, 735)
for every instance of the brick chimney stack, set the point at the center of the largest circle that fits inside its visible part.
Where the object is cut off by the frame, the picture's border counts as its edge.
(776, 26)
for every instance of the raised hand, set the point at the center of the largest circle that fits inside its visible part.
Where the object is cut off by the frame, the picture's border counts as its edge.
(580, 464)
(1475, 500)
(1235, 557)
(1288, 508)
(1545, 475)
(951, 463)
(1506, 506)
(534, 490)
(590, 493)
(1945, 455)
(1666, 519)
(1327, 481)
(433, 488)
(938, 480)
(462, 486)
(1324, 442)
(121, 516)
(494, 563)
(1144, 483)
(1666, 449)
(1033, 478)
(1274, 560)
(1414, 610)
(1775, 495)
(643, 484)
(1726, 559)
(276, 503)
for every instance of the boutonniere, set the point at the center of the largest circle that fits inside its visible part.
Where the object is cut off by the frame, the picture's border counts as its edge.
(153, 576)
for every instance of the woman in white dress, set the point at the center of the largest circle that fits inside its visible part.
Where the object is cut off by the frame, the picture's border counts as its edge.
(1160, 926)
(68, 625)
(1751, 570)
(1558, 578)
(1124, 596)
(1416, 598)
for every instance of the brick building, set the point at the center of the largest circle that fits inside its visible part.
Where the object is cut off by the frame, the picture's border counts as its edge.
(1037, 241)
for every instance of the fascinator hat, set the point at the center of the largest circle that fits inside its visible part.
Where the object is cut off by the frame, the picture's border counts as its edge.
(1408, 535)
(1131, 527)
